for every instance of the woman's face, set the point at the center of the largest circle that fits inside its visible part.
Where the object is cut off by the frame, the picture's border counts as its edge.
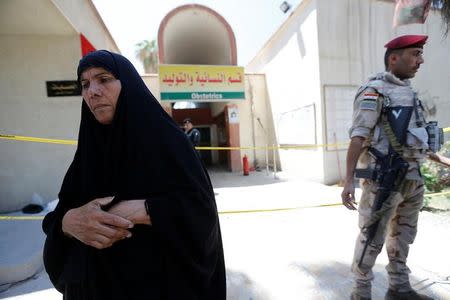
(100, 90)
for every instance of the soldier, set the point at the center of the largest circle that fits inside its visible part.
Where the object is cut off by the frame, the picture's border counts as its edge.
(388, 117)
(192, 133)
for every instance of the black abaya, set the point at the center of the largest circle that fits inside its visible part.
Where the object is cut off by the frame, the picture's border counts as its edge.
(142, 154)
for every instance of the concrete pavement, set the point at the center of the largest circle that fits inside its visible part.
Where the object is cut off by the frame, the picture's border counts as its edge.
(304, 253)
(21, 243)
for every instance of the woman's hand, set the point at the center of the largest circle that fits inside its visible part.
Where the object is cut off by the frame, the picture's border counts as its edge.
(95, 227)
(133, 210)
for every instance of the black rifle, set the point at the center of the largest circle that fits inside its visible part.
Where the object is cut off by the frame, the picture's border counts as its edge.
(389, 173)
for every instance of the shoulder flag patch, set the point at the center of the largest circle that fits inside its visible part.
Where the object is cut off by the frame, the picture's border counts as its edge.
(369, 101)
(371, 96)
(368, 105)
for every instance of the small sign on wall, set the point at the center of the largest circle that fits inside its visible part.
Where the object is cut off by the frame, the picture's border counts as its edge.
(63, 88)
(233, 116)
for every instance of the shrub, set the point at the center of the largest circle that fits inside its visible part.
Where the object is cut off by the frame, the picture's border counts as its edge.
(436, 176)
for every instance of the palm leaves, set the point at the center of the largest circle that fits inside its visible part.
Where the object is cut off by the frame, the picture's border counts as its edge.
(444, 7)
(147, 53)
(445, 13)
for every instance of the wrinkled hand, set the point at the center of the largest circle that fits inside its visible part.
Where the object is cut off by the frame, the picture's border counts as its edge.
(348, 195)
(95, 227)
(133, 210)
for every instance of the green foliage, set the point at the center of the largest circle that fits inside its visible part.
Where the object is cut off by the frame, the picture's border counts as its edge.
(445, 13)
(444, 8)
(432, 183)
(436, 176)
(426, 201)
(147, 52)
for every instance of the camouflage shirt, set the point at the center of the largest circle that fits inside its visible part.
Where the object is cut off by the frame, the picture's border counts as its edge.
(386, 89)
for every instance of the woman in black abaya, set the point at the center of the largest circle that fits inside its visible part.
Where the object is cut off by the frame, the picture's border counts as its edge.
(159, 238)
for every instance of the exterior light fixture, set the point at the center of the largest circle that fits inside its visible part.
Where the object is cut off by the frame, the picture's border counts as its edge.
(285, 6)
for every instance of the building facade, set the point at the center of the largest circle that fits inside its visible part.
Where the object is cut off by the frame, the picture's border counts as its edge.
(41, 44)
(299, 88)
(316, 61)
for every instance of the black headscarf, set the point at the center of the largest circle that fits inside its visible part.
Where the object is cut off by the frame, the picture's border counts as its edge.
(141, 154)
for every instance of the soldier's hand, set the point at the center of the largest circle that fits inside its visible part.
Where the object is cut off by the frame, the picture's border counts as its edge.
(95, 227)
(348, 195)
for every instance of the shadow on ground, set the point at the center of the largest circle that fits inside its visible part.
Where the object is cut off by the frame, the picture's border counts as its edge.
(333, 280)
(241, 287)
(436, 210)
(36, 283)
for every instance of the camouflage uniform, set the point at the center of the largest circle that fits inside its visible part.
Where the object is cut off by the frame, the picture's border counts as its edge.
(398, 225)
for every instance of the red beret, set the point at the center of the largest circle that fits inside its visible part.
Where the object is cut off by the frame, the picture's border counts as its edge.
(407, 41)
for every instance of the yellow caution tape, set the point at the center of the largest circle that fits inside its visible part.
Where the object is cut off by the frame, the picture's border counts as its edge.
(226, 212)
(74, 142)
(272, 147)
(8, 218)
(37, 140)
(437, 194)
(311, 146)
(226, 148)
(275, 209)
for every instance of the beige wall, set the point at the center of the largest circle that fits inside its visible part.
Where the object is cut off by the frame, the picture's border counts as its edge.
(84, 17)
(351, 39)
(151, 80)
(27, 63)
(252, 134)
(290, 61)
(31, 53)
(321, 54)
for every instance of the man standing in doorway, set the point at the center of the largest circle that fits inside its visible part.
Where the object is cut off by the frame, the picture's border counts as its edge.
(388, 121)
(192, 133)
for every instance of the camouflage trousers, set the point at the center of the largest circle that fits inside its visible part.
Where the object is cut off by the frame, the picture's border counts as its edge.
(397, 228)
